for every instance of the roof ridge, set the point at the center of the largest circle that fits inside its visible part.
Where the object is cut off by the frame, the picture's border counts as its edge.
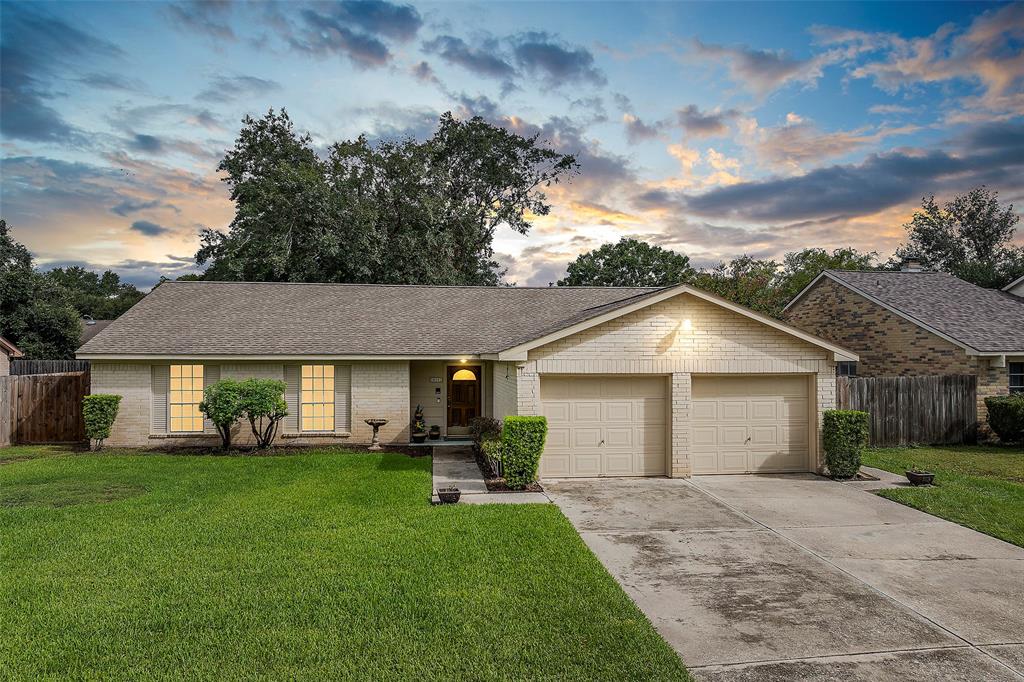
(410, 286)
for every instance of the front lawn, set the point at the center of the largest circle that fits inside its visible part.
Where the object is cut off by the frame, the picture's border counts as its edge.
(976, 486)
(321, 565)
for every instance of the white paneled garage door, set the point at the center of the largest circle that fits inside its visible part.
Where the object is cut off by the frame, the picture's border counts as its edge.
(745, 424)
(604, 426)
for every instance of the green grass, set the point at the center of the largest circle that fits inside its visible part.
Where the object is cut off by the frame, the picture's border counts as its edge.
(322, 565)
(976, 486)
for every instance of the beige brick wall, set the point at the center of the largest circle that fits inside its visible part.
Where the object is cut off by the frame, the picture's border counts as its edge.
(379, 389)
(679, 337)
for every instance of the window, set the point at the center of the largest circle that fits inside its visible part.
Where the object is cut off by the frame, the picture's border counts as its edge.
(846, 369)
(186, 394)
(1016, 377)
(317, 408)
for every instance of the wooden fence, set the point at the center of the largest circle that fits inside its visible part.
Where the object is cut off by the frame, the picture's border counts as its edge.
(42, 408)
(930, 410)
(20, 366)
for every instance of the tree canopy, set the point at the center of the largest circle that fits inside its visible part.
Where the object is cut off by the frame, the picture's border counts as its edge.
(628, 263)
(101, 296)
(969, 236)
(391, 212)
(36, 313)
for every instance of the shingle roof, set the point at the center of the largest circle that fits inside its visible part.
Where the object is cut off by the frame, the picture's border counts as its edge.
(988, 320)
(263, 318)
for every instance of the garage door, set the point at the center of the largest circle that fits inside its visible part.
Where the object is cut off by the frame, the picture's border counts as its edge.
(749, 424)
(604, 426)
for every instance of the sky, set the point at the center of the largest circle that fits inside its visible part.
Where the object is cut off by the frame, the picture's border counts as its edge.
(716, 130)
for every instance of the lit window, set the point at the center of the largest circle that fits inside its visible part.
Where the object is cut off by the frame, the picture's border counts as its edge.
(186, 394)
(1016, 377)
(317, 398)
(464, 375)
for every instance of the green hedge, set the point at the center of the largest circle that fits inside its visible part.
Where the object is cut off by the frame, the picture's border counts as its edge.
(99, 412)
(522, 442)
(1006, 416)
(846, 436)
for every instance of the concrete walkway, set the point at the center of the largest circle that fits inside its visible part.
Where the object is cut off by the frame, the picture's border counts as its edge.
(797, 577)
(455, 466)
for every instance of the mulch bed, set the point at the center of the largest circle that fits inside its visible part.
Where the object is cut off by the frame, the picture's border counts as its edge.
(497, 484)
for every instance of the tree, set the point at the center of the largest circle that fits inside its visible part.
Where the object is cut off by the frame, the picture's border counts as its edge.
(35, 313)
(747, 281)
(799, 268)
(968, 237)
(222, 404)
(102, 297)
(396, 212)
(262, 403)
(628, 263)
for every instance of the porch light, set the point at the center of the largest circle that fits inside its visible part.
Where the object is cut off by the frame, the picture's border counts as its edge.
(464, 375)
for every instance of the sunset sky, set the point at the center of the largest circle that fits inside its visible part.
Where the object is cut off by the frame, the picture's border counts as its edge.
(716, 130)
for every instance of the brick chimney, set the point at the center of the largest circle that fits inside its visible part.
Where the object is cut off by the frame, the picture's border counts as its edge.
(911, 264)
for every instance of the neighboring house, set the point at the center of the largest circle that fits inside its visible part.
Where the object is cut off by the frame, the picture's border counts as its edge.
(7, 351)
(634, 382)
(917, 322)
(91, 328)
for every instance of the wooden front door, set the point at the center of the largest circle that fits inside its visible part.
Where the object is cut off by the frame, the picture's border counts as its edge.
(463, 397)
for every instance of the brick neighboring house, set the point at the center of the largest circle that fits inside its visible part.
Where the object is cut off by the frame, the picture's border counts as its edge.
(634, 382)
(7, 351)
(915, 322)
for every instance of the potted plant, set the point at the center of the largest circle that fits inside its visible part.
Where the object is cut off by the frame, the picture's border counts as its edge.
(419, 427)
(435, 432)
(449, 495)
(919, 476)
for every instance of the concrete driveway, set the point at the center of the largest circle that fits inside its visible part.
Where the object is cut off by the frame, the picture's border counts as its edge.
(797, 577)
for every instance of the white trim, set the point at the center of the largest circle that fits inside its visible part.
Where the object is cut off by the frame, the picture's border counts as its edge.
(805, 290)
(157, 357)
(517, 353)
(1019, 280)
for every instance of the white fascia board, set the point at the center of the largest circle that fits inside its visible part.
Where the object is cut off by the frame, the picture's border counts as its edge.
(266, 358)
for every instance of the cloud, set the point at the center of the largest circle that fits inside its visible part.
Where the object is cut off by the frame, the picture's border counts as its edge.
(150, 229)
(229, 88)
(483, 60)
(36, 49)
(638, 131)
(208, 17)
(356, 29)
(890, 109)
(112, 81)
(129, 206)
(149, 144)
(555, 62)
(704, 123)
(991, 155)
(423, 73)
(761, 71)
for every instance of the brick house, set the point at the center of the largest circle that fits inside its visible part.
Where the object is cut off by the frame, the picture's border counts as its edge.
(634, 382)
(7, 351)
(915, 322)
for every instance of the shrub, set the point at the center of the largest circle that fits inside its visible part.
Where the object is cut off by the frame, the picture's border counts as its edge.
(1006, 416)
(482, 428)
(99, 412)
(846, 436)
(263, 405)
(490, 448)
(522, 442)
(222, 405)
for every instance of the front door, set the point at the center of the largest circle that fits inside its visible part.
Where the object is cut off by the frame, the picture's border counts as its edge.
(463, 398)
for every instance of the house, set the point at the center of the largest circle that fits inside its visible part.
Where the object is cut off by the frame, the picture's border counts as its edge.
(91, 328)
(7, 351)
(634, 382)
(918, 322)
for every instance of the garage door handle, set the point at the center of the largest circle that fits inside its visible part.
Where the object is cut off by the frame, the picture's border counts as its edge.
(747, 440)
(601, 443)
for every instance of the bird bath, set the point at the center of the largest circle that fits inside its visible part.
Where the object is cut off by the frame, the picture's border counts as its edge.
(375, 424)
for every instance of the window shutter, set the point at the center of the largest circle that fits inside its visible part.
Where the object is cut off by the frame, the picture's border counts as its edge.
(160, 384)
(343, 398)
(291, 398)
(211, 375)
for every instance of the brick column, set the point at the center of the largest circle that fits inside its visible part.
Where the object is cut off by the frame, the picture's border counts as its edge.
(680, 443)
(528, 389)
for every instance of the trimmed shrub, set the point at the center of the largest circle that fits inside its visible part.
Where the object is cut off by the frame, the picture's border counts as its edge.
(264, 406)
(99, 412)
(845, 436)
(482, 428)
(522, 442)
(1006, 416)
(222, 405)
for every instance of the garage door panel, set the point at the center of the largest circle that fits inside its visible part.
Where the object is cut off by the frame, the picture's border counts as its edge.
(618, 411)
(746, 424)
(604, 426)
